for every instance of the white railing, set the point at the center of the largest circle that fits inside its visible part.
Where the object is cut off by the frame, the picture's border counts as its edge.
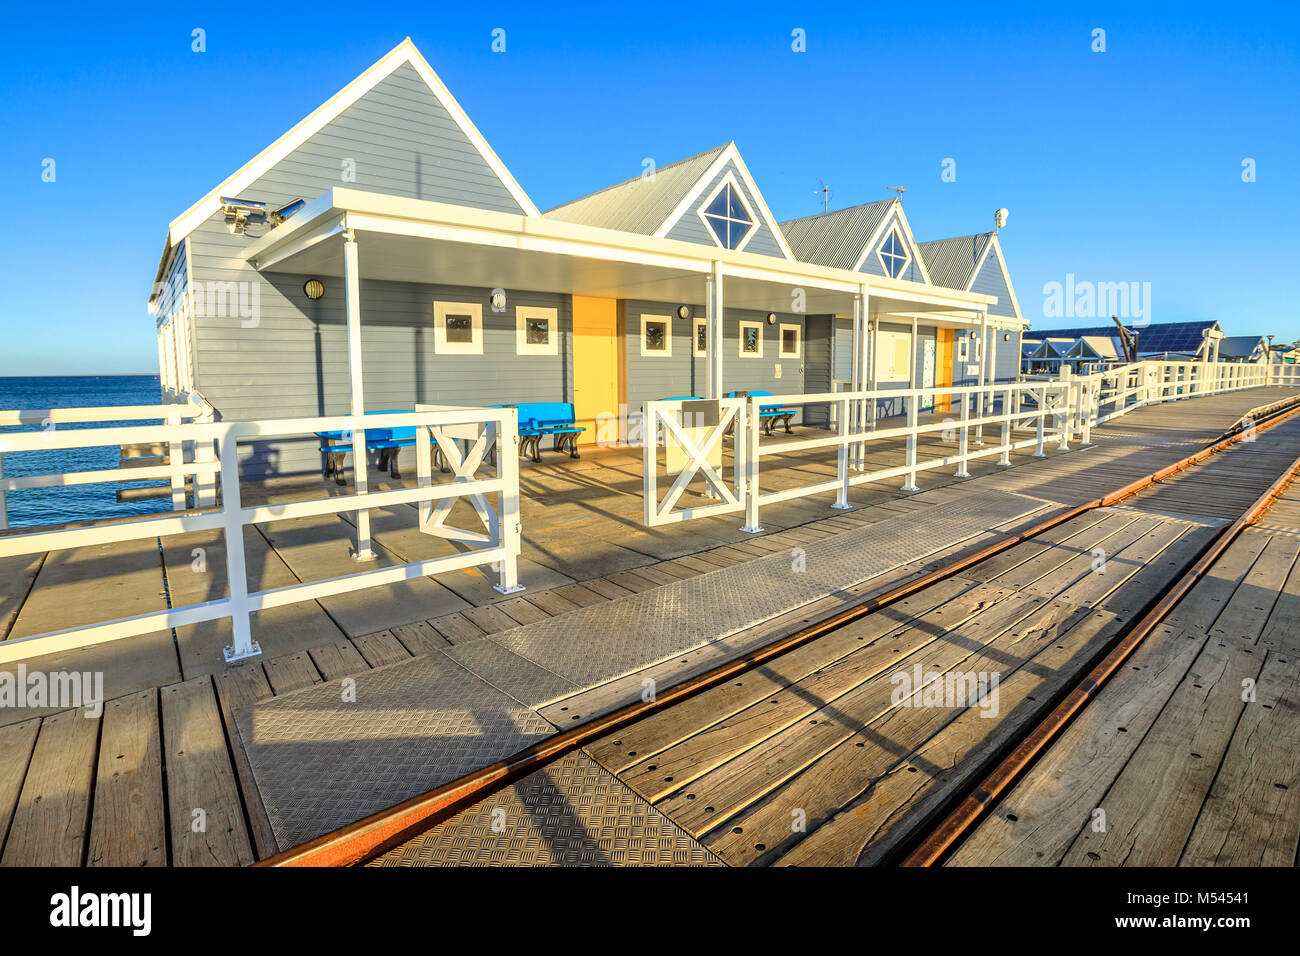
(183, 459)
(464, 435)
(1053, 409)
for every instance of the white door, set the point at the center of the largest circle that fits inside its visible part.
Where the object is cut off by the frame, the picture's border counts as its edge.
(927, 372)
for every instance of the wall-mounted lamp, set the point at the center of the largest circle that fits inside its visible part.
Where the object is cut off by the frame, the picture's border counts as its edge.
(771, 318)
(683, 312)
(313, 288)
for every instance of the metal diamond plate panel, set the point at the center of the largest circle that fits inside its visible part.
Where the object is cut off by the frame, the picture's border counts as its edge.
(570, 813)
(324, 758)
(608, 640)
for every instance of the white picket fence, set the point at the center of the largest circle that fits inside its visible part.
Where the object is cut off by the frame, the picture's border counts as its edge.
(1030, 413)
(465, 436)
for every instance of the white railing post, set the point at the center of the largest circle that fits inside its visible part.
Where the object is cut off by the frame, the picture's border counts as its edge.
(4, 504)
(1088, 411)
(1041, 395)
(913, 408)
(748, 427)
(842, 459)
(176, 461)
(963, 440)
(242, 644)
(1005, 459)
(511, 529)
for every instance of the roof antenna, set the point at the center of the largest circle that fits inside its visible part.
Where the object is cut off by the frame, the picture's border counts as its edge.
(825, 193)
(898, 192)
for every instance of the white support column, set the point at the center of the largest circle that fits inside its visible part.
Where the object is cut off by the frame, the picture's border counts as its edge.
(713, 314)
(864, 378)
(510, 524)
(241, 644)
(983, 379)
(361, 549)
(4, 507)
(873, 327)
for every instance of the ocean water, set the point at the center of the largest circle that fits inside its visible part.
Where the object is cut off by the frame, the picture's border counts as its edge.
(39, 506)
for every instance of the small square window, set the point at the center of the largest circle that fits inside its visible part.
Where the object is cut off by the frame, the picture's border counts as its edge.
(656, 335)
(790, 335)
(536, 332)
(751, 340)
(460, 328)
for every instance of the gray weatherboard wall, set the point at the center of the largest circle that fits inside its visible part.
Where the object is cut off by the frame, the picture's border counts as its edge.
(402, 142)
(654, 377)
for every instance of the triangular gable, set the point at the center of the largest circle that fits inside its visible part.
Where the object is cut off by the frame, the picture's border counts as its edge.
(894, 224)
(835, 238)
(992, 278)
(686, 221)
(403, 57)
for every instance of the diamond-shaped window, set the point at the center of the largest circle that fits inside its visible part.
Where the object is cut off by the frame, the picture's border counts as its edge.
(893, 255)
(726, 217)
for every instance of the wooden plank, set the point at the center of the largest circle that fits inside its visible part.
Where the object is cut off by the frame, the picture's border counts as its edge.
(16, 744)
(338, 660)
(291, 671)
(1252, 815)
(207, 819)
(490, 619)
(1055, 800)
(456, 628)
(606, 588)
(53, 811)
(631, 581)
(522, 612)
(551, 603)
(579, 594)
(420, 638)
(128, 826)
(631, 745)
(1153, 804)
(239, 687)
(381, 648)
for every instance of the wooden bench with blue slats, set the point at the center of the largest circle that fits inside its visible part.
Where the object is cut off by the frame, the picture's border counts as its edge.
(389, 442)
(769, 415)
(539, 419)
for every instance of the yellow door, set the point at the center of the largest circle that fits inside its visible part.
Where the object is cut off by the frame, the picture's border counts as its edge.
(595, 368)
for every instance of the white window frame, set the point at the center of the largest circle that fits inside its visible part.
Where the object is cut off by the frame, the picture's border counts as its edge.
(890, 345)
(522, 346)
(700, 323)
(798, 340)
(667, 350)
(440, 344)
(907, 253)
(754, 221)
(740, 340)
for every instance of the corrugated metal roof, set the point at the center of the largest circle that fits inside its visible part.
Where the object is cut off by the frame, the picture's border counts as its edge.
(951, 262)
(836, 238)
(638, 204)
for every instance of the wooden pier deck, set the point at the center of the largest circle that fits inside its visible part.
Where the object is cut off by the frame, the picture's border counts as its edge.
(160, 778)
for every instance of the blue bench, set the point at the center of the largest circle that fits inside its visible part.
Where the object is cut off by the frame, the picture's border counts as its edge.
(389, 442)
(769, 415)
(538, 419)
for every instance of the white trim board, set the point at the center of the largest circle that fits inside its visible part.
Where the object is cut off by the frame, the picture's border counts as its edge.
(692, 198)
(896, 216)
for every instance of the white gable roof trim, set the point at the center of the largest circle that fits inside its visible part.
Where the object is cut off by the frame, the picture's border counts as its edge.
(729, 155)
(896, 216)
(405, 52)
(992, 246)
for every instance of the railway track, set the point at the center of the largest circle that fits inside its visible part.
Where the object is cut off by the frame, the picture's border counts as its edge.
(931, 825)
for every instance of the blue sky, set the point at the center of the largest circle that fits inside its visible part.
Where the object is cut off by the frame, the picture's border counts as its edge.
(1122, 166)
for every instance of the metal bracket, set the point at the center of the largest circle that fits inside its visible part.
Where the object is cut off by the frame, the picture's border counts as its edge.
(228, 652)
(504, 590)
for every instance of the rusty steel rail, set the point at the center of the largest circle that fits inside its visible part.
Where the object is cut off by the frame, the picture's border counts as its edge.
(386, 829)
(963, 818)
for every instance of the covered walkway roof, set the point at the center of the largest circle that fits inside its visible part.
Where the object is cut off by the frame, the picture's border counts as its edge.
(413, 240)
